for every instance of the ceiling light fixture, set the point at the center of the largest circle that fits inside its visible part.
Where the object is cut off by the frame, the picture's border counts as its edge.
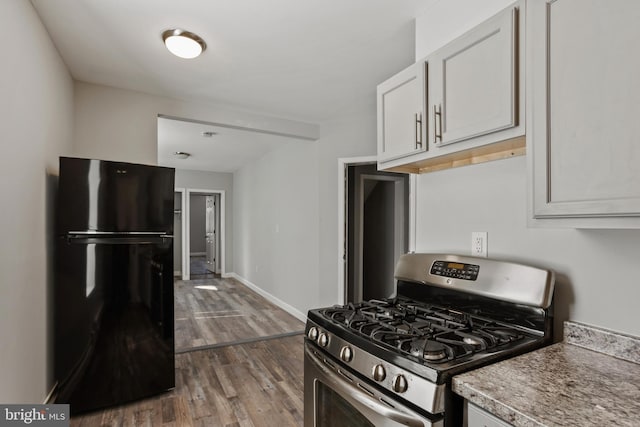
(181, 155)
(183, 44)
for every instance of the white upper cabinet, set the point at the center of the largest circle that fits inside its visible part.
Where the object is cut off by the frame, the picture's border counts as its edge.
(401, 129)
(471, 99)
(474, 82)
(583, 121)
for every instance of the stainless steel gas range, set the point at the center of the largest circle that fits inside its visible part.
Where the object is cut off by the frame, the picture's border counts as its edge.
(390, 362)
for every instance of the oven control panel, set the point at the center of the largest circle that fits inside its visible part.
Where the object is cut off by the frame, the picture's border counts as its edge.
(455, 270)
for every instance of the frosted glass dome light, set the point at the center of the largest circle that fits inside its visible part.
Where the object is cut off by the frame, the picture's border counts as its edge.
(183, 44)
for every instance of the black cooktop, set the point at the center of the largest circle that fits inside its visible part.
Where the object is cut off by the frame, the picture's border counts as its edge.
(425, 331)
(431, 339)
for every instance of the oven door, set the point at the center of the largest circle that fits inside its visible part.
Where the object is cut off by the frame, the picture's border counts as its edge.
(335, 398)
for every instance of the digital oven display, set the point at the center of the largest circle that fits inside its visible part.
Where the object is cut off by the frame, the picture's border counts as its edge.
(455, 270)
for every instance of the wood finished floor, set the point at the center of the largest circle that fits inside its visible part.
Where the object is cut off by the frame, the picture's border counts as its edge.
(199, 269)
(216, 311)
(254, 384)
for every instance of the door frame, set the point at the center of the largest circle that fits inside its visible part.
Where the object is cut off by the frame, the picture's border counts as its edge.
(183, 253)
(186, 274)
(343, 163)
(216, 230)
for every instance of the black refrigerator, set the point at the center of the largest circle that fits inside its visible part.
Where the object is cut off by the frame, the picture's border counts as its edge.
(113, 289)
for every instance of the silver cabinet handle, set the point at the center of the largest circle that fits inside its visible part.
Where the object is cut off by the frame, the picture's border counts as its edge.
(418, 130)
(437, 122)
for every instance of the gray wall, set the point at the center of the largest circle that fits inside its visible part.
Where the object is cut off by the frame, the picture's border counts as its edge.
(36, 119)
(597, 269)
(276, 223)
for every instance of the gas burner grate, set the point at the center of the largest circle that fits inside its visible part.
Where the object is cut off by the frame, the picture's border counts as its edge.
(427, 332)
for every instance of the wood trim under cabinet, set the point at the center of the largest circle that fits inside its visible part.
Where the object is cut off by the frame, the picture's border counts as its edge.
(486, 153)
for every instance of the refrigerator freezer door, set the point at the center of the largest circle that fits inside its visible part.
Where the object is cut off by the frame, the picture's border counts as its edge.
(108, 196)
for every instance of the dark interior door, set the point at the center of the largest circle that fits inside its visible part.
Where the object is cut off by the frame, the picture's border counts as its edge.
(376, 230)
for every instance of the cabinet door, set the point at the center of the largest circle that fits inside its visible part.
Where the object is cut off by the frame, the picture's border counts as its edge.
(474, 81)
(584, 132)
(400, 118)
(477, 417)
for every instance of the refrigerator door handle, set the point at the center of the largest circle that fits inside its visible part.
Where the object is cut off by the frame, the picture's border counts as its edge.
(117, 233)
(118, 239)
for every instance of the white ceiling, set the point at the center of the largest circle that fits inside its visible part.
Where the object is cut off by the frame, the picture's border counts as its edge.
(306, 60)
(226, 151)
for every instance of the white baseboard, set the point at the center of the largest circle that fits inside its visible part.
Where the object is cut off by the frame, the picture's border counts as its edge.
(177, 273)
(198, 254)
(283, 305)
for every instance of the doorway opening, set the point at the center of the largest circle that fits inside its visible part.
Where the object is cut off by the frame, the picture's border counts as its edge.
(204, 236)
(375, 217)
(199, 233)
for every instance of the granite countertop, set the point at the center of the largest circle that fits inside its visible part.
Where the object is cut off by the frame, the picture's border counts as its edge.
(581, 381)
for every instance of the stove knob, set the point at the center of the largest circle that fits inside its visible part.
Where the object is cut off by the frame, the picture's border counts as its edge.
(400, 384)
(379, 373)
(313, 333)
(346, 354)
(323, 339)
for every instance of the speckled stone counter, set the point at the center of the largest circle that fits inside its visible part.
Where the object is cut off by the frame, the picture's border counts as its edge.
(573, 383)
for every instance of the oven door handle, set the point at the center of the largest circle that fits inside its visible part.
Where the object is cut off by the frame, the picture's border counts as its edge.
(359, 397)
